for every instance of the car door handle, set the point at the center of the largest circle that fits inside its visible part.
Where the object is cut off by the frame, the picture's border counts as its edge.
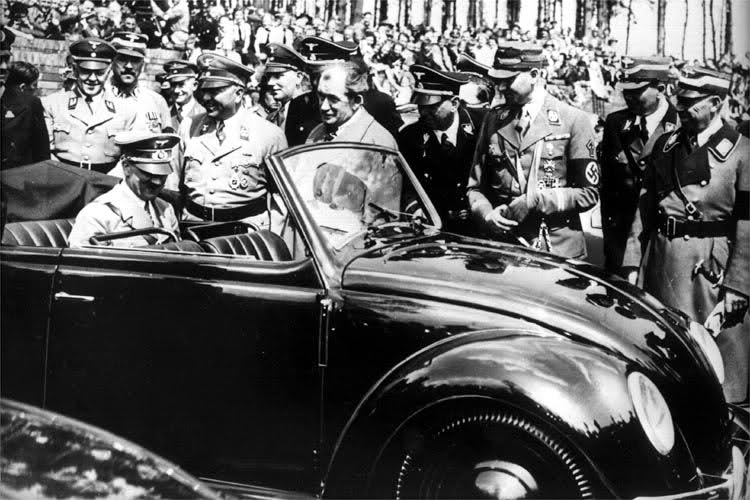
(73, 298)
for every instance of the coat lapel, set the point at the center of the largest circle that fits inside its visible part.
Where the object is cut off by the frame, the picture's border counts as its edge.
(541, 127)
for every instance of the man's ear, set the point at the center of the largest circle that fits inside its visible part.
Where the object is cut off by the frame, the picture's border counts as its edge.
(358, 100)
(661, 87)
(715, 102)
(22, 87)
(455, 103)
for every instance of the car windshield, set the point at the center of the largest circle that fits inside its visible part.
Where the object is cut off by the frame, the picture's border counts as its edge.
(350, 190)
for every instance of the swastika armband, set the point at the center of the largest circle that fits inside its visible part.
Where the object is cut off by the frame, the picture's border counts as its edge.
(584, 173)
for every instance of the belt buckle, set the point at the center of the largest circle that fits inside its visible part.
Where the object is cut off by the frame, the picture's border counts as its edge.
(85, 164)
(671, 226)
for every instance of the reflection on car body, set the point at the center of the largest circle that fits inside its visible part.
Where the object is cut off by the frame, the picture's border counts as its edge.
(356, 350)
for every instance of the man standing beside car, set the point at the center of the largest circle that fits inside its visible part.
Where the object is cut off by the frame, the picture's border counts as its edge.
(224, 176)
(133, 203)
(439, 147)
(629, 137)
(82, 122)
(693, 220)
(535, 167)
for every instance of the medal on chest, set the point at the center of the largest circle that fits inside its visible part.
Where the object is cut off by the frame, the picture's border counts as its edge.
(154, 125)
(548, 180)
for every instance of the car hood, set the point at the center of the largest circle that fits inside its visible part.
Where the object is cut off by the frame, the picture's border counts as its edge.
(572, 298)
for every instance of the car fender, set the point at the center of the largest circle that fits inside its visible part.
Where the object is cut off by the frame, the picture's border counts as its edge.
(574, 388)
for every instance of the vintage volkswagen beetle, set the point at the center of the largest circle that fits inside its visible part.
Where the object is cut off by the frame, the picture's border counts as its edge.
(355, 350)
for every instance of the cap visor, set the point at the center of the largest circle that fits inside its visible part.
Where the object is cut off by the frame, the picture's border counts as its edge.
(278, 69)
(632, 85)
(213, 84)
(154, 168)
(691, 93)
(179, 78)
(93, 65)
(427, 99)
(131, 53)
(502, 74)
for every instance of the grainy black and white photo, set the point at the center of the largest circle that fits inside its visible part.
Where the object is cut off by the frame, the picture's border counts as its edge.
(376, 249)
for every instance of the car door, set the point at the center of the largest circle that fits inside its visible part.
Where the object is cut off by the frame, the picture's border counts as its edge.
(208, 360)
(26, 277)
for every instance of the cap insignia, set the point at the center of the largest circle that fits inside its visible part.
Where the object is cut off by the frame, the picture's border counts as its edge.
(628, 124)
(162, 154)
(94, 45)
(160, 143)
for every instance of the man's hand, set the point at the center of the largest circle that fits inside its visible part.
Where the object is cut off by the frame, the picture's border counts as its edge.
(735, 307)
(497, 220)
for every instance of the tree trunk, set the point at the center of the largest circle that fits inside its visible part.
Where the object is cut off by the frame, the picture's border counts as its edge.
(713, 28)
(728, 45)
(661, 8)
(630, 21)
(684, 28)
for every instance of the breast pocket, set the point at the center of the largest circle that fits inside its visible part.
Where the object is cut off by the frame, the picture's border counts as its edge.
(61, 135)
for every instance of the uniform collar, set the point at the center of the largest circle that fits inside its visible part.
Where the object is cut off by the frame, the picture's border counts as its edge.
(451, 131)
(118, 92)
(713, 127)
(654, 119)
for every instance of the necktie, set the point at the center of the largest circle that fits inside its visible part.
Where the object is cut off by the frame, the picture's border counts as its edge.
(447, 144)
(330, 135)
(644, 129)
(151, 211)
(179, 113)
(220, 134)
(523, 123)
(281, 116)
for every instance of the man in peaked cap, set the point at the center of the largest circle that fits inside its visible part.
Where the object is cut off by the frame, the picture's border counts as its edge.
(479, 93)
(629, 137)
(82, 122)
(224, 177)
(535, 167)
(151, 108)
(321, 52)
(439, 147)
(24, 134)
(133, 203)
(694, 220)
(290, 83)
(182, 77)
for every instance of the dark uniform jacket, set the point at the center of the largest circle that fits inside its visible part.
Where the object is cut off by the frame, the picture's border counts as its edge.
(623, 159)
(442, 169)
(302, 116)
(715, 179)
(24, 133)
(382, 107)
(560, 145)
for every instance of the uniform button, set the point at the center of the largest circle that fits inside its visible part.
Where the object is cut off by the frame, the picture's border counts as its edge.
(703, 183)
(211, 191)
(642, 162)
(690, 217)
(88, 144)
(89, 132)
(214, 178)
(85, 157)
(687, 237)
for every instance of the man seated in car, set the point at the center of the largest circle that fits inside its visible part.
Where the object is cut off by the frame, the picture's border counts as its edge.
(133, 203)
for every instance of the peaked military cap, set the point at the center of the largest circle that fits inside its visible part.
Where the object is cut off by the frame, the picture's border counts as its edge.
(129, 43)
(433, 86)
(513, 58)
(219, 71)
(178, 70)
(640, 71)
(92, 53)
(283, 58)
(697, 81)
(467, 64)
(7, 37)
(148, 151)
(321, 51)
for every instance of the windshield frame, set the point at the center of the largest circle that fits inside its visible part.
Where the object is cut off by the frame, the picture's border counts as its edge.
(330, 260)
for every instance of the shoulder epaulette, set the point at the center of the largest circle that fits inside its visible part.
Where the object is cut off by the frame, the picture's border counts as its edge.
(671, 142)
(72, 102)
(726, 145)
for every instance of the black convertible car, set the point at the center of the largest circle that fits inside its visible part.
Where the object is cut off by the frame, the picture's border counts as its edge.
(355, 350)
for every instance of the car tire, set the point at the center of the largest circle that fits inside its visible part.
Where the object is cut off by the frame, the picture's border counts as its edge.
(493, 454)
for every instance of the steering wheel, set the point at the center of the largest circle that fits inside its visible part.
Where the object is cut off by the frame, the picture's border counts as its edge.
(99, 239)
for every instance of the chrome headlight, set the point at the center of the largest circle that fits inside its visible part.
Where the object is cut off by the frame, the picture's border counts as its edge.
(710, 349)
(652, 411)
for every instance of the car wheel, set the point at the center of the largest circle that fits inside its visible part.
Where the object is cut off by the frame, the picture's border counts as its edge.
(490, 455)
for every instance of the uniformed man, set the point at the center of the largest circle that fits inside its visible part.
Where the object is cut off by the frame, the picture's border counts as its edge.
(152, 111)
(224, 176)
(629, 136)
(181, 76)
(535, 165)
(439, 147)
(344, 117)
(82, 122)
(133, 203)
(24, 133)
(693, 220)
(320, 52)
(479, 92)
(290, 84)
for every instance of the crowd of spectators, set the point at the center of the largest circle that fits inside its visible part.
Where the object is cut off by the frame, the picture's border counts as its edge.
(581, 71)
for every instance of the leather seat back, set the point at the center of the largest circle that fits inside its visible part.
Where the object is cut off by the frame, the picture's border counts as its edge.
(180, 246)
(262, 245)
(38, 233)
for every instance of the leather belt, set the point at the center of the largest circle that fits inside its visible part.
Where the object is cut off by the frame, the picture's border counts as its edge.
(253, 207)
(96, 167)
(674, 228)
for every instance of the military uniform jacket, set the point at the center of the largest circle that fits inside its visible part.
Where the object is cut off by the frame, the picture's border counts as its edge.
(24, 132)
(382, 107)
(564, 183)
(83, 133)
(119, 209)
(716, 179)
(152, 111)
(361, 127)
(442, 171)
(302, 115)
(231, 173)
(623, 161)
